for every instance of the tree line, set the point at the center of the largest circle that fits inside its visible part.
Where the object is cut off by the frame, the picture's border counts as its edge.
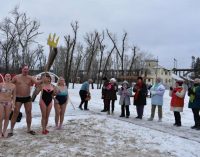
(95, 55)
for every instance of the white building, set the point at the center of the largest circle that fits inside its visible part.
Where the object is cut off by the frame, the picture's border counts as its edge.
(154, 70)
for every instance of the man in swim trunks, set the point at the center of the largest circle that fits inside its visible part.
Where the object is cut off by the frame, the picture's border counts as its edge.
(23, 84)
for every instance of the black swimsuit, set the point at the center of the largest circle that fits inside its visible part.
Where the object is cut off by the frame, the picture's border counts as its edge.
(47, 96)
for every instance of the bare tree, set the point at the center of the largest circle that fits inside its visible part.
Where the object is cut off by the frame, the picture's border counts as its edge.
(27, 30)
(80, 56)
(132, 60)
(121, 54)
(106, 63)
(7, 41)
(18, 34)
(100, 39)
(70, 44)
(59, 63)
(92, 47)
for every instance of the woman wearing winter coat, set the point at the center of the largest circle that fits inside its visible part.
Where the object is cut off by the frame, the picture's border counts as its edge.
(125, 93)
(177, 101)
(140, 90)
(157, 92)
(104, 94)
(111, 95)
(194, 103)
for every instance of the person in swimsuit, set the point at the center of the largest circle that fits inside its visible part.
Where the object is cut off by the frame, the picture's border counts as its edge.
(23, 84)
(60, 102)
(7, 103)
(47, 93)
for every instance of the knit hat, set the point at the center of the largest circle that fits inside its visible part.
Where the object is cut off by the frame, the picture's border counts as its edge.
(113, 79)
(125, 82)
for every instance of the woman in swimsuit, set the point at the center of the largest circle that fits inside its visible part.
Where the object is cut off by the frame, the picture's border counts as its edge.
(7, 102)
(47, 93)
(60, 102)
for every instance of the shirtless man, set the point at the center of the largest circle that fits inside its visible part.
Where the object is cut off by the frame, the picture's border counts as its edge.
(7, 102)
(23, 84)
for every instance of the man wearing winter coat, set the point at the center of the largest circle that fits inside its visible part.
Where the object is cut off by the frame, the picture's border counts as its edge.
(157, 92)
(194, 102)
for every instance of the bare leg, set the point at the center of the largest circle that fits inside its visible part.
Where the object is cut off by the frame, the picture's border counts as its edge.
(57, 113)
(28, 110)
(1, 118)
(43, 109)
(47, 114)
(7, 110)
(15, 115)
(62, 114)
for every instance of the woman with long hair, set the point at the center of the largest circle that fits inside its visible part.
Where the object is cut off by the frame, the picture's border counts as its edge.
(47, 93)
(60, 102)
(7, 103)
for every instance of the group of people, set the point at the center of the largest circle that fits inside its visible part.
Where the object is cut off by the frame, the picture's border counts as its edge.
(17, 91)
(110, 91)
(139, 93)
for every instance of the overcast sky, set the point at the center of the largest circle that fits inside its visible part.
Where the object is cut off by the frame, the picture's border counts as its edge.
(165, 28)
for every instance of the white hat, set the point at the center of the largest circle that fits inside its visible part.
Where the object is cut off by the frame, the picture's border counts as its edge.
(113, 79)
(125, 82)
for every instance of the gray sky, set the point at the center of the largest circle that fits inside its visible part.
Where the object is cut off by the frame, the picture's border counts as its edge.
(165, 28)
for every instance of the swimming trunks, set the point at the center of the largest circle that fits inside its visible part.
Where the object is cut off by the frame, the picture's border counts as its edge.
(23, 99)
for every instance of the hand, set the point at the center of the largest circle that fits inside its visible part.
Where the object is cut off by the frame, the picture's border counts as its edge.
(13, 107)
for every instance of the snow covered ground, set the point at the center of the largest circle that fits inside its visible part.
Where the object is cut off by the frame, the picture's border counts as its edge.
(95, 134)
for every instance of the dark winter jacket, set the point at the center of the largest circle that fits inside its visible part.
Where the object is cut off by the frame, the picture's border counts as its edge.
(142, 94)
(194, 94)
(104, 90)
(111, 91)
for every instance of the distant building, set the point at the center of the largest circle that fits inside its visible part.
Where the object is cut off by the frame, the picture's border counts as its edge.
(154, 70)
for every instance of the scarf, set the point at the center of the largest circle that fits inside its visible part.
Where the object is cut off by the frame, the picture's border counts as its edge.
(138, 87)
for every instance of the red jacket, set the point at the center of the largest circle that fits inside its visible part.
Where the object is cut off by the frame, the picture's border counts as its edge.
(177, 101)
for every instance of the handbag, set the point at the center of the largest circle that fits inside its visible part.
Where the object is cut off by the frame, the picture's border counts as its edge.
(88, 97)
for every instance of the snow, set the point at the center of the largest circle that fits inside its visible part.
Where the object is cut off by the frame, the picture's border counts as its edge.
(96, 134)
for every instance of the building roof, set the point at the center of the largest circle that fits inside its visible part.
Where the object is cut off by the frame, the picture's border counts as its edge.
(176, 77)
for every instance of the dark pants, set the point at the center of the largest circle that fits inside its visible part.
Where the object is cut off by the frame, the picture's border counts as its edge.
(196, 116)
(177, 117)
(107, 104)
(140, 110)
(153, 108)
(83, 95)
(123, 107)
